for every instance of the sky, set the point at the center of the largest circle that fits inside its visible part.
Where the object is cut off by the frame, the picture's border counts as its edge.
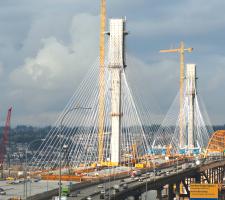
(47, 47)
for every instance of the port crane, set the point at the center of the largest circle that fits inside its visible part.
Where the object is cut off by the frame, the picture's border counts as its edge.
(5, 139)
(101, 83)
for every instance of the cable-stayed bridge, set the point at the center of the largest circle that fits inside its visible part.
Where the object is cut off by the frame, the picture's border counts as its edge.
(100, 133)
(76, 133)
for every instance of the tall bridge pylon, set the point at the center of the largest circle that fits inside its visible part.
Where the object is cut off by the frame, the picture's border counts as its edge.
(88, 140)
(116, 65)
(196, 125)
(181, 50)
(190, 95)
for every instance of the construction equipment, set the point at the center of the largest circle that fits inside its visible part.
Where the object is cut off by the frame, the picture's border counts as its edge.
(181, 51)
(5, 139)
(134, 152)
(101, 83)
(168, 150)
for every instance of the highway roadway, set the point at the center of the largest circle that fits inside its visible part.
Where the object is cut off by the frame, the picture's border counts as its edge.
(130, 182)
(97, 191)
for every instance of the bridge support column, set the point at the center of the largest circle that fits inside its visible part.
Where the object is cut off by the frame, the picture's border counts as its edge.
(206, 177)
(159, 194)
(198, 178)
(170, 192)
(177, 191)
(186, 187)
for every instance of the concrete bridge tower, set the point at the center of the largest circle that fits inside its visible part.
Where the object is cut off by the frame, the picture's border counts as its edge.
(116, 65)
(191, 93)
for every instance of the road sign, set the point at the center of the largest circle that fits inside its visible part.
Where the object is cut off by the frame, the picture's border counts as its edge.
(203, 191)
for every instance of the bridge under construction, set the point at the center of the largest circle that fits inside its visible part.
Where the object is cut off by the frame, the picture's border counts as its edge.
(101, 128)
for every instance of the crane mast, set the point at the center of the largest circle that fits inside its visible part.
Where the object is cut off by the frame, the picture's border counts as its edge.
(5, 139)
(181, 51)
(101, 83)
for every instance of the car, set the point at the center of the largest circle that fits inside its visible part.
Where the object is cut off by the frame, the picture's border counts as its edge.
(89, 198)
(140, 180)
(15, 182)
(2, 191)
(102, 191)
(74, 194)
(57, 198)
(157, 173)
(124, 186)
(100, 186)
(36, 180)
(116, 187)
(122, 181)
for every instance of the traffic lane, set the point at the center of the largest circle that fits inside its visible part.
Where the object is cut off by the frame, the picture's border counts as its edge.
(148, 176)
(108, 188)
(93, 190)
(151, 176)
(110, 191)
(136, 182)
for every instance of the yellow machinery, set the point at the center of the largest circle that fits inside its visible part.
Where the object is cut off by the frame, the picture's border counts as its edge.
(181, 51)
(168, 150)
(101, 83)
(134, 152)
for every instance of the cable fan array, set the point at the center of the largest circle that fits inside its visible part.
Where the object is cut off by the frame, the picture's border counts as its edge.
(168, 133)
(76, 129)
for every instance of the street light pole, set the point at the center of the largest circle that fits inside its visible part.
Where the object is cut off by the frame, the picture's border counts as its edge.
(25, 175)
(177, 164)
(60, 146)
(146, 181)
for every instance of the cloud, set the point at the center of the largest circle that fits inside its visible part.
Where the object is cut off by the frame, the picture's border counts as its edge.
(52, 75)
(46, 47)
(56, 64)
(185, 19)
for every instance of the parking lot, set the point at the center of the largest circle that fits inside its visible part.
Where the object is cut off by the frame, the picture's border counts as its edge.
(17, 190)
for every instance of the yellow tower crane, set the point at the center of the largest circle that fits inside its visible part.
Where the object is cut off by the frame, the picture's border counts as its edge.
(181, 51)
(101, 83)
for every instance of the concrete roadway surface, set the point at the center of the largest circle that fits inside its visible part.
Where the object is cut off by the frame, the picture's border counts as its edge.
(17, 190)
(145, 177)
(94, 191)
(136, 181)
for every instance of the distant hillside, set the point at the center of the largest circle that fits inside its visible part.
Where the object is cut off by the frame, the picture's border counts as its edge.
(25, 134)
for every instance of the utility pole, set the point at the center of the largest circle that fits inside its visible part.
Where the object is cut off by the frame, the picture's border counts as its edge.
(181, 51)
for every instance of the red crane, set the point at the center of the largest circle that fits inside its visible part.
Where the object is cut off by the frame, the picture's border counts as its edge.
(5, 137)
